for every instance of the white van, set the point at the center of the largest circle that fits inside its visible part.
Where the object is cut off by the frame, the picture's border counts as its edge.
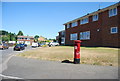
(53, 44)
(34, 45)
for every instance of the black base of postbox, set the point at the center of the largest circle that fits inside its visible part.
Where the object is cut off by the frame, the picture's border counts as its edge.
(76, 61)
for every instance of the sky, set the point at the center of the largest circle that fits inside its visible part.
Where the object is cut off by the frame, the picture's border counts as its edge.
(44, 18)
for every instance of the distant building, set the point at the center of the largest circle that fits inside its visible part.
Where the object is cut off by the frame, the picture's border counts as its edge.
(57, 38)
(61, 37)
(41, 38)
(100, 28)
(25, 39)
(12, 42)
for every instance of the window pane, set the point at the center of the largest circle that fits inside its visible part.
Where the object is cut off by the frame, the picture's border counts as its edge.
(114, 30)
(68, 25)
(83, 21)
(73, 36)
(85, 35)
(114, 11)
(95, 17)
(74, 24)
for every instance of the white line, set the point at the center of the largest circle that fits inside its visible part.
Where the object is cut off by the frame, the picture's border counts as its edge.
(4, 64)
(11, 77)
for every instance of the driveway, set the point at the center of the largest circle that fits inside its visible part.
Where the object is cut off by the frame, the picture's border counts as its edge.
(24, 68)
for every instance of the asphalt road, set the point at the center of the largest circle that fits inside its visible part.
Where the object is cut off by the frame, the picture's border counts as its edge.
(5, 54)
(24, 68)
(38, 69)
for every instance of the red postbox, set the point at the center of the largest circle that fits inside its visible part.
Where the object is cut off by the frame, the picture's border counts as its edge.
(77, 51)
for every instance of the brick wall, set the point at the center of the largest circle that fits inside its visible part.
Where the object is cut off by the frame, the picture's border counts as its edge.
(103, 37)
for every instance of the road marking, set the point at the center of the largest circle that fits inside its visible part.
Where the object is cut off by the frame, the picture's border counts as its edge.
(11, 77)
(4, 65)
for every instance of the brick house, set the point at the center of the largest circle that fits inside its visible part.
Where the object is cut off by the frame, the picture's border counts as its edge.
(61, 37)
(57, 38)
(41, 38)
(25, 39)
(100, 28)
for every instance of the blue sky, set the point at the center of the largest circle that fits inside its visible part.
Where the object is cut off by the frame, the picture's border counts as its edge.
(44, 18)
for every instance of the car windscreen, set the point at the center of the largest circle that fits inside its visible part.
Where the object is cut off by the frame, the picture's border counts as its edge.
(18, 45)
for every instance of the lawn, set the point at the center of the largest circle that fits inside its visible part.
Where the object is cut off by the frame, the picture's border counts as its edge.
(89, 55)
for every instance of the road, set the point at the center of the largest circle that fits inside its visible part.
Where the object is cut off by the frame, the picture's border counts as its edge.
(5, 54)
(38, 69)
(25, 68)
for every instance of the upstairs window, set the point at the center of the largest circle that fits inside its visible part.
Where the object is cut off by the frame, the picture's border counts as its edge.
(95, 17)
(73, 36)
(19, 38)
(28, 38)
(84, 21)
(74, 24)
(84, 35)
(112, 12)
(114, 30)
(68, 25)
(62, 33)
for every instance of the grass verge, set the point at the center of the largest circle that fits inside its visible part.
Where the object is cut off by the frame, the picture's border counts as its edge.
(89, 55)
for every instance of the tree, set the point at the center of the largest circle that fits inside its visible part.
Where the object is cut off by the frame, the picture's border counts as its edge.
(20, 33)
(5, 38)
(36, 37)
(3, 32)
(54, 40)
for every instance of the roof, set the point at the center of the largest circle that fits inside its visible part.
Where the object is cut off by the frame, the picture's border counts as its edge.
(62, 31)
(41, 38)
(26, 36)
(93, 13)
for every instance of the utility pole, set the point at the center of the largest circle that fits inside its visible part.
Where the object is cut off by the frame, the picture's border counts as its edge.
(100, 5)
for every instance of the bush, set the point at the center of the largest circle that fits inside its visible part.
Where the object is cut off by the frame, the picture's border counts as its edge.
(44, 45)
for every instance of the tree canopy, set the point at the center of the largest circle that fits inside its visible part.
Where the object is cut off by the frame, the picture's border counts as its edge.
(20, 33)
(36, 36)
(8, 36)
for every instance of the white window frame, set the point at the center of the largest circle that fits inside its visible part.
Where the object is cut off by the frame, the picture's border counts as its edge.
(68, 25)
(84, 36)
(74, 24)
(63, 40)
(112, 13)
(73, 36)
(95, 17)
(83, 21)
(114, 32)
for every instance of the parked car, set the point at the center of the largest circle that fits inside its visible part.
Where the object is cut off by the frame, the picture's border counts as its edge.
(4, 46)
(19, 47)
(53, 44)
(39, 44)
(25, 45)
(34, 45)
